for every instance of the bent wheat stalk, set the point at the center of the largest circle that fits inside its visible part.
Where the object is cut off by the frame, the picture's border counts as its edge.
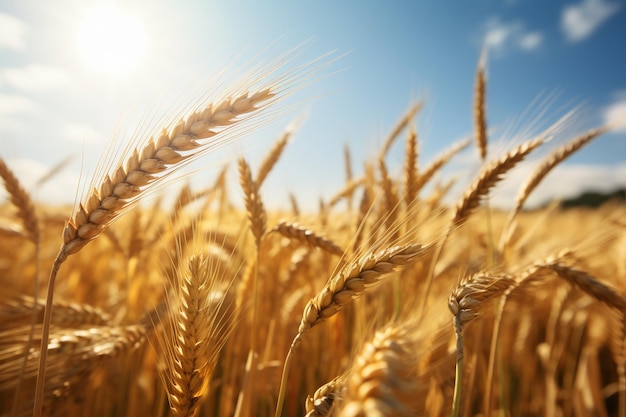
(234, 112)
(487, 179)
(344, 287)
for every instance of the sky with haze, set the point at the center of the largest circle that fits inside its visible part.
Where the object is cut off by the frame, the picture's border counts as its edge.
(75, 72)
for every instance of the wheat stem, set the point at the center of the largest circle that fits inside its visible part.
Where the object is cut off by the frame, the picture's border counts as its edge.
(457, 398)
(283, 377)
(45, 334)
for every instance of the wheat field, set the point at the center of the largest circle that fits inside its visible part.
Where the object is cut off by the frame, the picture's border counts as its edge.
(386, 300)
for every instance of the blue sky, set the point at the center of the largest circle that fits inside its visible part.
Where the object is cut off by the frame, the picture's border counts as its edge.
(59, 97)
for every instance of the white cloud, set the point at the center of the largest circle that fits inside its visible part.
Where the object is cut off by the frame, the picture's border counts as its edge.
(565, 181)
(579, 21)
(500, 36)
(530, 41)
(11, 104)
(615, 113)
(12, 32)
(36, 78)
(82, 133)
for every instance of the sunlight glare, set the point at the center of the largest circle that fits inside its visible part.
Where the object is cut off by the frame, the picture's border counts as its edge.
(111, 40)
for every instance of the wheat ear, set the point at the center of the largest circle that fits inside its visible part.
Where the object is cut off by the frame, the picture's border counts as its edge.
(325, 399)
(74, 353)
(410, 166)
(53, 172)
(402, 123)
(147, 165)
(552, 161)
(346, 192)
(348, 284)
(21, 200)
(489, 177)
(353, 280)
(307, 237)
(150, 163)
(295, 209)
(254, 204)
(30, 225)
(480, 118)
(472, 294)
(382, 380)
(272, 157)
(585, 282)
(431, 169)
(391, 196)
(198, 335)
(258, 223)
(486, 180)
(347, 164)
(465, 304)
(64, 314)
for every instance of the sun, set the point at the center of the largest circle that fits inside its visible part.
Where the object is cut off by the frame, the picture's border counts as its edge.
(111, 40)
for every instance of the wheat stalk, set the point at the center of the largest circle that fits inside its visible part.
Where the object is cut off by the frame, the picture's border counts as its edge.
(465, 304)
(30, 224)
(348, 284)
(258, 223)
(149, 163)
(346, 192)
(472, 197)
(74, 355)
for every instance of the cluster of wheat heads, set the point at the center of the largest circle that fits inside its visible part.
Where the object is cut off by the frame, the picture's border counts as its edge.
(383, 301)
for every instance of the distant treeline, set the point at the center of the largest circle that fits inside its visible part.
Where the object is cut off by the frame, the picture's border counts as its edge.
(594, 198)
